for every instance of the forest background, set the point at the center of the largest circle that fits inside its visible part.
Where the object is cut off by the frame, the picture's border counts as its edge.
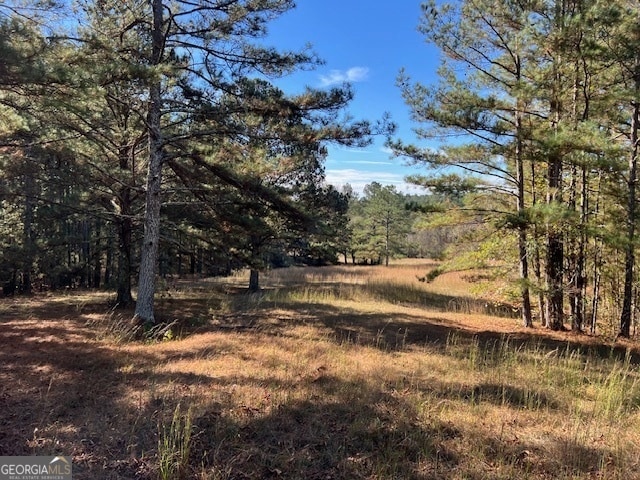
(143, 138)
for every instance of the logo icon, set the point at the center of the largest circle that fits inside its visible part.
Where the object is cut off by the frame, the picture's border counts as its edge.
(35, 468)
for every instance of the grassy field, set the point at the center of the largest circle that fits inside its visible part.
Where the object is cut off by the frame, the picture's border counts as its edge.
(329, 373)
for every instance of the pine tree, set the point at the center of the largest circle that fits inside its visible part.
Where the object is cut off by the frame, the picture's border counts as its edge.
(380, 223)
(620, 33)
(486, 106)
(190, 59)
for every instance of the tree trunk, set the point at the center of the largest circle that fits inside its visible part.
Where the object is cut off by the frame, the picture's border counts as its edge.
(108, 262)
(555, 251)
(149, 250)
(579, 278)
(597, 251)
(123, 295)
(554, 270)
(29, 247)
(85, 249)
(386, 241)
(254, 280)
(577, 236)
(572, 247)
(97, 256)
(537, 264)
(555, 244)
(150, 244)
(199, 260)
(629, 257)
(523, 225)
(179, 253)
(524, 277)
(596, 294)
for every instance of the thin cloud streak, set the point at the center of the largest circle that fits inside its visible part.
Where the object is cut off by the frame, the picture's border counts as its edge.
(358, 179)
(353, 150)
(335, 77)
(368, 162)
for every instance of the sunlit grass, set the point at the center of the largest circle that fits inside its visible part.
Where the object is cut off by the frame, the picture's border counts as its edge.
(402, 284)
(465, 408)
(340, 372)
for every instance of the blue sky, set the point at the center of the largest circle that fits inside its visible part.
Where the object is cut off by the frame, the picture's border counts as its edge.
(365, 43)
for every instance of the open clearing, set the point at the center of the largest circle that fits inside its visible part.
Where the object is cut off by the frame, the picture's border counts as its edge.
(329, 373)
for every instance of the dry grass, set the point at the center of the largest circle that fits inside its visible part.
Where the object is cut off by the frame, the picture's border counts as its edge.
(330, 373)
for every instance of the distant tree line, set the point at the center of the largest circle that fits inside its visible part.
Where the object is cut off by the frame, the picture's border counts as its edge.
(147, 137)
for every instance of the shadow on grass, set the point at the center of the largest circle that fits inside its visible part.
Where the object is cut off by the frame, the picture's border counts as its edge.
(501, 394)
(61, 392)
(402, 294)
(352, 430)
(344, 431)
(64, 392)
(398, 331)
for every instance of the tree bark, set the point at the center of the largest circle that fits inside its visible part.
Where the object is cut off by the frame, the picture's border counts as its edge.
(522, 226)
(97, 255)
(555, 253)
(29, 247)
(254, 280)
(578, 313)
(629, 260)
(537, 264)
(108, 267)
(387, 233)
(123, 296)
(555, 312)
(555, 243)
(149, 252)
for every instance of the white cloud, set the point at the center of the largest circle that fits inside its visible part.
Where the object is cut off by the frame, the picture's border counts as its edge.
(352, 149)
(352, 176)
(358, 179)
(354, 74)
(368, 162)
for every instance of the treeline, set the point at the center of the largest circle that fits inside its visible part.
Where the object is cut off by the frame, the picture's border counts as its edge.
(534, 124)
(146, 137)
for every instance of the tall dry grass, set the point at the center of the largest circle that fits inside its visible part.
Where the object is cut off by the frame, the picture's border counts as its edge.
(348, 373)
(367, 372)
(402, 283)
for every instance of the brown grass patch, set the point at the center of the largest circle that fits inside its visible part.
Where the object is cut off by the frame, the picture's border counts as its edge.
(342, 372)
